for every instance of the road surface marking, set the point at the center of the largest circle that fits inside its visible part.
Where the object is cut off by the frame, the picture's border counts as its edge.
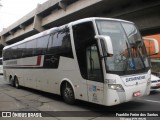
(152, 101)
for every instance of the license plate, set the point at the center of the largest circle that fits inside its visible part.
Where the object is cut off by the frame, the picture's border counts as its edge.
(136, 94)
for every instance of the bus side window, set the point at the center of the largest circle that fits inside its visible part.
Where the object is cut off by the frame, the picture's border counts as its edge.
(30, 48)
(42, 43)
(60, 44)
(5, 56)
(21, 50)
(8, 54)
(14, 52)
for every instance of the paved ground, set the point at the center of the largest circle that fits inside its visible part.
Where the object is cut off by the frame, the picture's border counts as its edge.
(25, 99)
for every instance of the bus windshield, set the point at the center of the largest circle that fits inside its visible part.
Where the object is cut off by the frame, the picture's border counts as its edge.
(129, 53)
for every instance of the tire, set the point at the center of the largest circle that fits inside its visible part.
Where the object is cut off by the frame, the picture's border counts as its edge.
(16, 83)
(68, 93)
(12, 83)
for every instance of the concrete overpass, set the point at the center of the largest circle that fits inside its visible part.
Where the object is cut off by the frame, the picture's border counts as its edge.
(145, 13)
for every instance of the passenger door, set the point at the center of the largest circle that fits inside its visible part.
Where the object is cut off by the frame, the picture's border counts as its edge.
(89, 63)
(94, 72)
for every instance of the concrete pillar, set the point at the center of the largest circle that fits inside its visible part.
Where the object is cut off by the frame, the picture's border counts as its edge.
(37, 25)
(2, 41)
(63, 5)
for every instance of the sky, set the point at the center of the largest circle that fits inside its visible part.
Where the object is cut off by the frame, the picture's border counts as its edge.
(13, 10)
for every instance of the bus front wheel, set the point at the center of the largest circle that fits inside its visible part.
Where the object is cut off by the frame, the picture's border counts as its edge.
(11, 81)
(68, 93)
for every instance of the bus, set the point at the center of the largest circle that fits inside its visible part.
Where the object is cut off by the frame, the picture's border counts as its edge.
(99, 60)
(1, 66)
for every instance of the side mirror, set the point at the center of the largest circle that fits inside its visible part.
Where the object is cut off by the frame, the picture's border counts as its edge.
(156, 45)
(107, 43)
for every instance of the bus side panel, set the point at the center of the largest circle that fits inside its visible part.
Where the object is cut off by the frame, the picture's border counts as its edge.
(69, 69)
(49, 79)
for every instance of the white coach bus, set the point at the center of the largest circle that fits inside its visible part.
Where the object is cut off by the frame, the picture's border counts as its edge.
(99, 60)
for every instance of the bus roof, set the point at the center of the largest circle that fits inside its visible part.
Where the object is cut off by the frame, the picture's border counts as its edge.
(96, 18)
(56, 28)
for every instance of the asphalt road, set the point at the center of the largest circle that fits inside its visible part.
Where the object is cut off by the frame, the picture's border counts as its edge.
(25, 99)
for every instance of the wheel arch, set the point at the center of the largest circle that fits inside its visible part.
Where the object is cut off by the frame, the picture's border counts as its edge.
(10, 77)
(15, 76)
(64, 81)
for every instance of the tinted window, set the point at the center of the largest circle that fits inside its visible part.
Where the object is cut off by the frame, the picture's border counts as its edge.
(14, 52)
(5, 55)
(8, 53)
(42, 45)
(21, 50)
(60, 44)
(30, 48)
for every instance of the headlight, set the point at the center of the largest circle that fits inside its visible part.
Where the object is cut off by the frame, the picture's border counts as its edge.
(117, 87)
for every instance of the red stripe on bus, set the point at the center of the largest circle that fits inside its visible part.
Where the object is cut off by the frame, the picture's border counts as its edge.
(39, 60)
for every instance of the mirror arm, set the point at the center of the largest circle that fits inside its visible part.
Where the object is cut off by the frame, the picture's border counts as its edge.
(107, 43)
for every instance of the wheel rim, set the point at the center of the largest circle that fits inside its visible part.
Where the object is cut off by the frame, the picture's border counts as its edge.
(68, 93)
